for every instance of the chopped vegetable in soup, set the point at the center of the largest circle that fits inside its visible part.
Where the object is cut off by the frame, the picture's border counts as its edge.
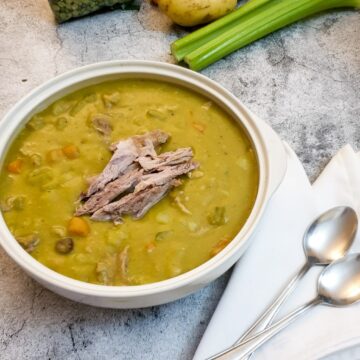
(62, 151)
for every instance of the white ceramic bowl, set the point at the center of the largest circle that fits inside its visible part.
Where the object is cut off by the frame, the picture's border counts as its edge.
(271, 159)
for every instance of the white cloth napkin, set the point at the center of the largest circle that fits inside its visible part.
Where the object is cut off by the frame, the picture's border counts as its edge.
(275, 255)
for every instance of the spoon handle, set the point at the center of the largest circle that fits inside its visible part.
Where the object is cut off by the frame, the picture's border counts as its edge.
(265, 319)
(245, 348)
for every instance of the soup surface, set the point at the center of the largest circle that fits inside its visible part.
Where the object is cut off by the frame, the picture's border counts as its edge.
(60, 148)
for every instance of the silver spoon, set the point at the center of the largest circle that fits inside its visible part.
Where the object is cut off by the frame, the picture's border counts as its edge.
(338, 285)
(327, 239)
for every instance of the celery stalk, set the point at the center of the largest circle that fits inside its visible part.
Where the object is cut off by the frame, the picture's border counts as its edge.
(185, 45)
(208, 47)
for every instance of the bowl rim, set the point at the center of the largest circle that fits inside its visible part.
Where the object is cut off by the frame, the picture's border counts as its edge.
(19, 114)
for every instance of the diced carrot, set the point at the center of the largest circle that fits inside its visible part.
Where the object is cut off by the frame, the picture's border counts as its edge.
(15, 166)
(71, 151)
(199, 127)
(150, 247)
(219, 246)
(78, 226)
(54, 156)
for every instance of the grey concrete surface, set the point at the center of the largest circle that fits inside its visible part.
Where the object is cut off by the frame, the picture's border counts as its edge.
(304, 81)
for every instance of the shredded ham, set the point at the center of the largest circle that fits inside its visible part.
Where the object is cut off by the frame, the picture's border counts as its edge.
(136, 178)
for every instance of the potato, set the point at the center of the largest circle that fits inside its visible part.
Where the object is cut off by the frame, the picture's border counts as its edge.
(195, 12)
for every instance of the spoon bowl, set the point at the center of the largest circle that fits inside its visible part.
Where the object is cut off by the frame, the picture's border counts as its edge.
(330, 236)
(339, 284)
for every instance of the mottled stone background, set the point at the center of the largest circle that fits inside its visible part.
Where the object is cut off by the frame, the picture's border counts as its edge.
(304, 81)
